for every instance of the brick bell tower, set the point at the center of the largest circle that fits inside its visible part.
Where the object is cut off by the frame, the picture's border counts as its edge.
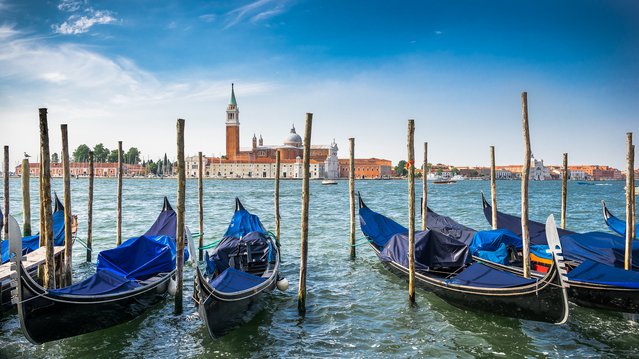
(232, 128)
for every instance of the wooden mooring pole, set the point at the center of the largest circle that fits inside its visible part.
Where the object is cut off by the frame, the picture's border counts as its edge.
(277, 198)
(411, 211)
(525, 236)
(425, 189)
(634, 196)
(90, 209)
(26, 199)
(493, 188)
(179, 235)
(301, 295)
(629, 188)
(351, 191)
(45, 199)
(5, 172)
(68, 220)
(118, 235)
(200, 199)
(564, 190)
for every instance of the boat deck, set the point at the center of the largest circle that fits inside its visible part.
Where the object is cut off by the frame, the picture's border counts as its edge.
(29, 261)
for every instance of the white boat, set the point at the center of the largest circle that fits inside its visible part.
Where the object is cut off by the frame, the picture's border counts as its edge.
(458, 178)
(329, 181)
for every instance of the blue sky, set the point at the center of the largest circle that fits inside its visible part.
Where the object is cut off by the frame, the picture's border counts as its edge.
(126, 70)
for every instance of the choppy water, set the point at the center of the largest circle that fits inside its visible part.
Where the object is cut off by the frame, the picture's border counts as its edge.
(354, 308)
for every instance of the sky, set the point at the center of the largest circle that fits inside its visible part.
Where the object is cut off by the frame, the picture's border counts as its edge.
(127, 70)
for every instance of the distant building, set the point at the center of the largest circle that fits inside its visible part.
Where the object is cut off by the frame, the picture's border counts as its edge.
(366, 168)
(81, 169)
(258, 161)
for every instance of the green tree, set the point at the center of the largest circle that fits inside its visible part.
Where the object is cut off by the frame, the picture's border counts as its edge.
(55, 158)
(113, 157)
(100, 153)
(400, 169)
(152, 167)
(439, 171)
(133, 156)
(455, 171)
(81, 153)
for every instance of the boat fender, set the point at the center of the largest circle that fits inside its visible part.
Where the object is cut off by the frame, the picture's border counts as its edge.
(282, 284)
(172, 286)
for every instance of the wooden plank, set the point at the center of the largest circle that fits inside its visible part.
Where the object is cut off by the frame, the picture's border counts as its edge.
(29, 261)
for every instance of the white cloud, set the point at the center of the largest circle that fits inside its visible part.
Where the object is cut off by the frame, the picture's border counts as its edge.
(71, 5)
(81, 24)
(255, 11)
(7, 31)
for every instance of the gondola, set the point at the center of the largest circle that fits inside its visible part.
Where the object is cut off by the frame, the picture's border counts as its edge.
(614, 223)
(445, 267)
(240, 272)
(29, 244)
(594, 260)
(128, 280)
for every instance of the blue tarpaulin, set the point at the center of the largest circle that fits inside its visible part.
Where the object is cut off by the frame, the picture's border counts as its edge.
(600, 247)
(102, 282)
(480, 275)
(593, 272)
(491, 240)
(139, 257)
(432, 250)
(233, 280)
(377, 227)
(536, 230)
(449, 226)
(31, 243)
(243, 222)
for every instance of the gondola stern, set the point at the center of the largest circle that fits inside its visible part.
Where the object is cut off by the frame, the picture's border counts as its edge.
(484, 202)
(238, 205)
(606, 212)
(360, 200)
(58, 205)
(167, 205)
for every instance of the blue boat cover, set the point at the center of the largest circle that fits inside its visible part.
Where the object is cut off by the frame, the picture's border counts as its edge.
(480, 275)
(449, 226)
(31, 243)
(593, 272)
(618, 225)
(605, 248)
(139, 257)
(378, 228)
(536, 230)
(432, 250)
(242, 223)
(165, 224)
(491, 240)
(233, 280)
(255, 244)
(102, 282)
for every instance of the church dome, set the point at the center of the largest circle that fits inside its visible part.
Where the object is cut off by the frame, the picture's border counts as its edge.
(293, 139)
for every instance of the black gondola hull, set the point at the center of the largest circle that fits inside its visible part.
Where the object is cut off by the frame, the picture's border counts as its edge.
(47, 317)
(544, 303)
(222, 313)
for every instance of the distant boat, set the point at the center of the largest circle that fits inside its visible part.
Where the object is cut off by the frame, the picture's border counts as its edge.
(445, 182)
(328, 181)
(458, 178)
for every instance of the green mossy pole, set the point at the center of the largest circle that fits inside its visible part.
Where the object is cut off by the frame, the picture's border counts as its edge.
(45, 200)
(26, 199)
(179, 235)
(411, 211)
(301, 295)
(351, 191)
(68, 220)
(90, 209)
(525, 236)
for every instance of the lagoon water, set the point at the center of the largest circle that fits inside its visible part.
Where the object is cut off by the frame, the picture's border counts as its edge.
(354, 307)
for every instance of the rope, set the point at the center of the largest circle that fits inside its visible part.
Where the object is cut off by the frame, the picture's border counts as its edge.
(211, 245)
(83, 244)
(196, 235)
(361, 242)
